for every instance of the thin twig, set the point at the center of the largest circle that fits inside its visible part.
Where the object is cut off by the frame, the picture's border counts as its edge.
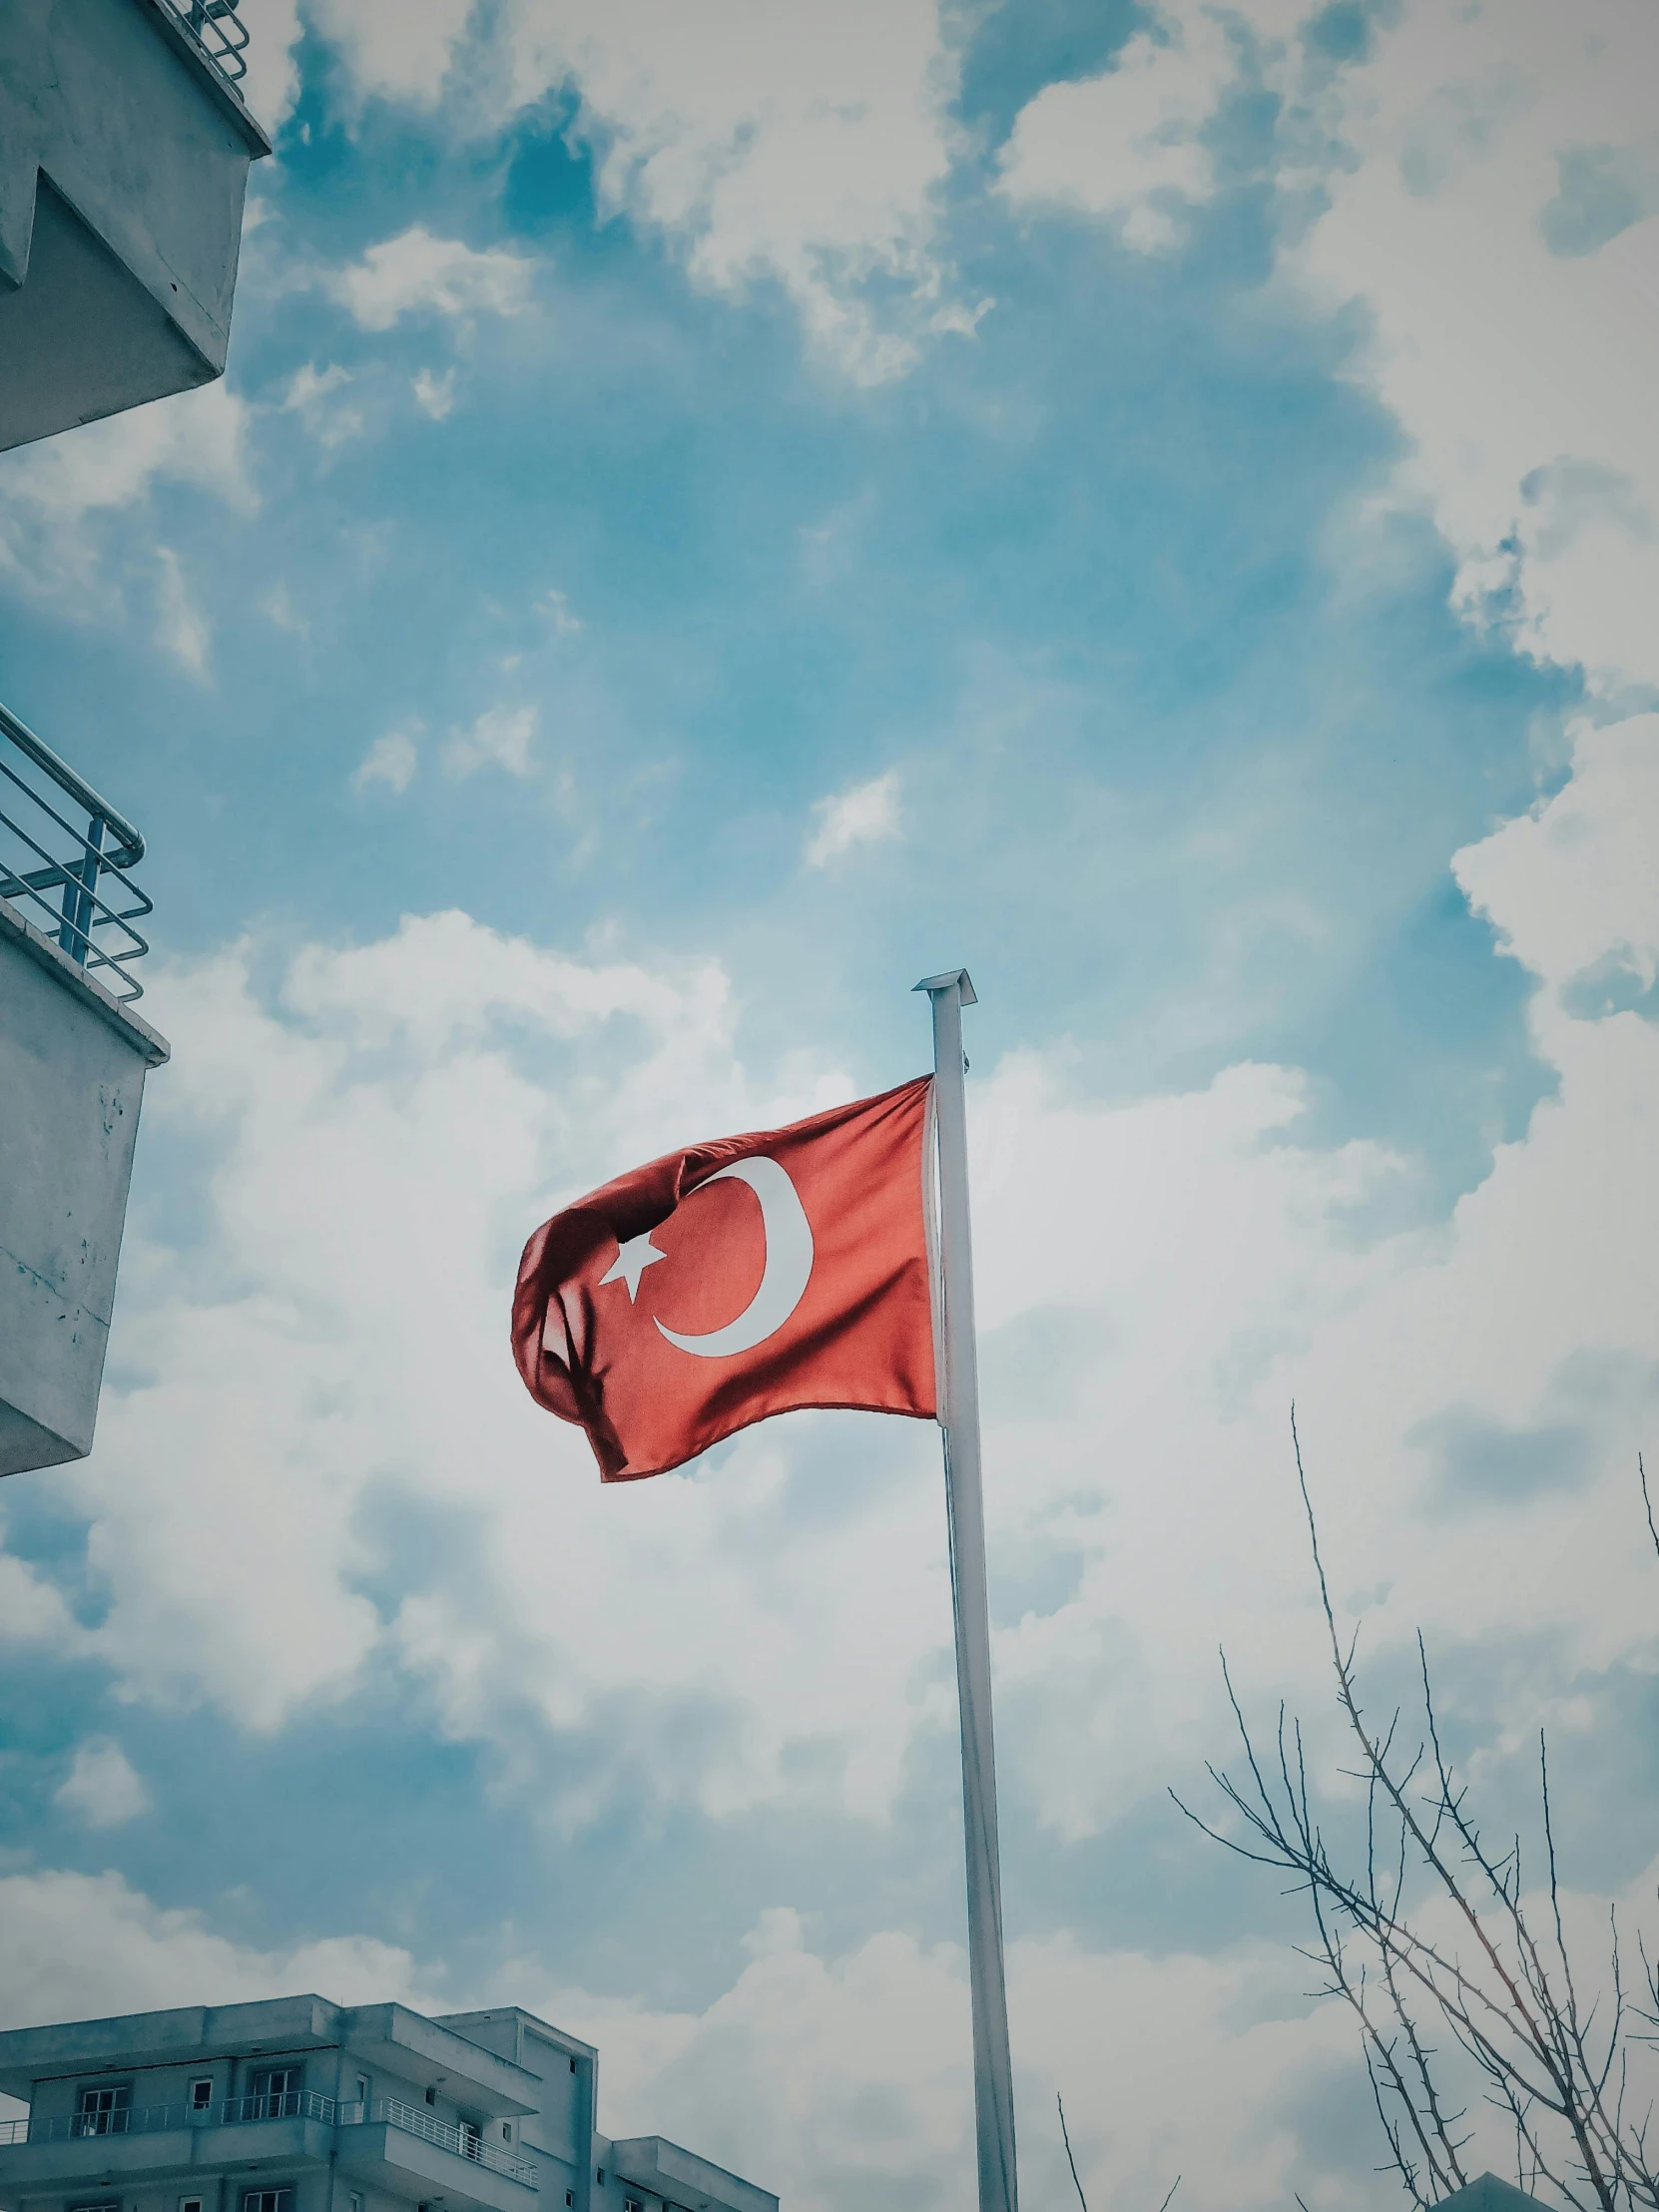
(1070, 2161)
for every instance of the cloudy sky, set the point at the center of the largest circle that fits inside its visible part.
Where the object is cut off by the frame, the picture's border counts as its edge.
(719, 508)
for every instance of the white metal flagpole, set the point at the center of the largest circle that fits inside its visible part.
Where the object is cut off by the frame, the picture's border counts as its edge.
(994, 2084)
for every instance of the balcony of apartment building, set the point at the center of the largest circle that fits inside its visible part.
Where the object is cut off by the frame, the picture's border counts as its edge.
(74, 1054)
(111, 2143)
(125, 146)
(408, 2150)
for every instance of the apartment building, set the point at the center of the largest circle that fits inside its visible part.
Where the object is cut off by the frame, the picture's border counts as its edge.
(301, 2106)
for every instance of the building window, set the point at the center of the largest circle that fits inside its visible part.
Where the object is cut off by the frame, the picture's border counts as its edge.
(356, 2203)
(632, 2204)
(472, 2139)
(431, 2097)
(103, 2111)
(506, 2132)
(200, 2093)
(570, 2196)
(363, 2094)
(276, 2093)
(267, 2200)
(95, 2208)
(601, 2177)
(190, 2204)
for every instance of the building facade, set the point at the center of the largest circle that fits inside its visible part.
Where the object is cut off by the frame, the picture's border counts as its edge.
(125, 149)
(301, 2106)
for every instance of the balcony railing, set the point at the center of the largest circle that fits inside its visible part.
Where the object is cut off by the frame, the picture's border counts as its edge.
(221, 33)
(294, 2104)
(465, 2143)
(162, 2119)
(69, 881)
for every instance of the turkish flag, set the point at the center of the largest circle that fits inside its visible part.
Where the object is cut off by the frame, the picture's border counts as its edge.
(738, 1278)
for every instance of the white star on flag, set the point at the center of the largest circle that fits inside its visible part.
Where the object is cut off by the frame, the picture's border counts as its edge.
(632, 1260)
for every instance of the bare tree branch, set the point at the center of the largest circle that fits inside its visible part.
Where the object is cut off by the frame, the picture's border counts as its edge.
(1065, 2138)
(1435, 1925)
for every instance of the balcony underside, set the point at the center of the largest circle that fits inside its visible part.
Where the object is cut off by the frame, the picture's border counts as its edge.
(81, 338)
(411, 2167)
(124, 159)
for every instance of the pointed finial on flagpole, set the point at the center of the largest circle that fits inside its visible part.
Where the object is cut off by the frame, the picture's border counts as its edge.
(965, 993)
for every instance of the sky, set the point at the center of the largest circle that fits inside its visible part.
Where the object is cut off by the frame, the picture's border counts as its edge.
(716, 511)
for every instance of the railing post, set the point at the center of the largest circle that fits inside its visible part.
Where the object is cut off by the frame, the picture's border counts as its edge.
(80, 883)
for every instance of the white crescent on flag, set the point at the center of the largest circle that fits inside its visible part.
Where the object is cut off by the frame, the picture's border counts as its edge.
(788, 1265)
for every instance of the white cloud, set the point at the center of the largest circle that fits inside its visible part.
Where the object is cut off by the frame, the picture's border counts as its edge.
(84, 1946)
(1133, 143)
(786, 143)
(58, 498)
(1484, 184)
(1137, 1370)
(273, 81)
(435, 395)
(312, 394)
(277, 606)
(101, 1786)
(1128, 144)
(866, 814)
(1497, 223)
(391, 760)
(1572, 885)
(395, 50)
(32, 1611)
(555, 610)
(417, 273)
(181, 625)
(501, 738)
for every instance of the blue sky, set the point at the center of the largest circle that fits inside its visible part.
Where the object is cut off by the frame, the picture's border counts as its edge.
(714, 513)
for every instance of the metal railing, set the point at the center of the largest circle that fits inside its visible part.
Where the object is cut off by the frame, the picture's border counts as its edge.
(51, 869)
(162, 2119)
(219, 32)
(465, 2143)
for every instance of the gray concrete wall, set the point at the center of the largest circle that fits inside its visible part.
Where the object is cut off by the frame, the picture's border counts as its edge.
(117, 279)
(72, 1069)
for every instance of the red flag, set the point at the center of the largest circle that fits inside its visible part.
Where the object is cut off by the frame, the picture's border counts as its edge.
(747, 1277)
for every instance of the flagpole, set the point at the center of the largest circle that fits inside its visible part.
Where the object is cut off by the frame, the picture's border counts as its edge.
(993, 2086)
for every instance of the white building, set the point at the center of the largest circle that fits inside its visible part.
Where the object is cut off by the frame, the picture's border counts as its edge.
(300, 2105)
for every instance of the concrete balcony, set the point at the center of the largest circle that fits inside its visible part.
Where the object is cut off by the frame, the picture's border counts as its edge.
(392, 2146)
(415, 2155)
(124, 157)
(166, 2143)
(73, 1059)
